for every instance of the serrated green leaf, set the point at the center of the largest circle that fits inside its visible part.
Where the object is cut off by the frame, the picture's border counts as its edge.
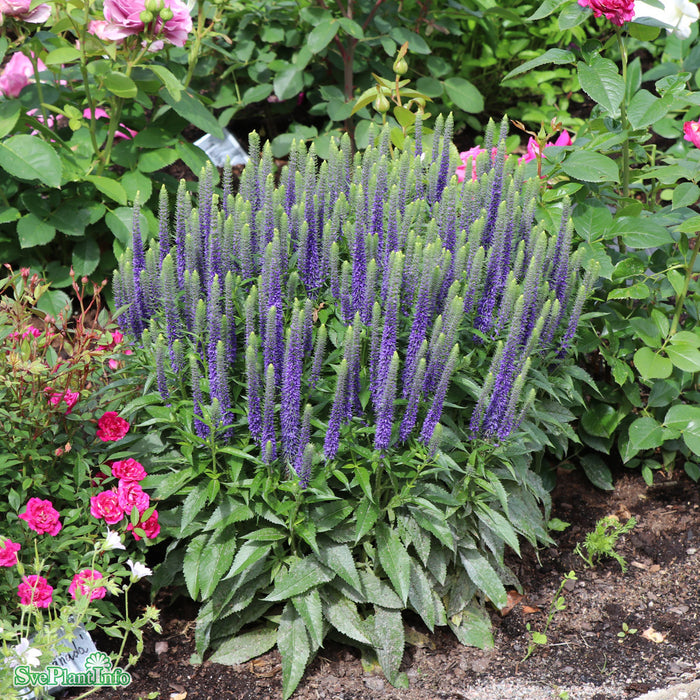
(190, 108)
(86, 256)
(388, 640)
(246, 556)
(9, 115)
(602, 83)
(194, 503)
(32, 231)
(484, 576)
(246, 646)
(171, 83)
(288, 83)
(394, 559)
(590, 167)
(500, 526)
(111, 188)
(120, 84)
(190, 567)
(472, 627)
(301, 576)
(214, 562)
(342, 614)
(420, 595)
(311, 611)
(338, 558)
(378, 592)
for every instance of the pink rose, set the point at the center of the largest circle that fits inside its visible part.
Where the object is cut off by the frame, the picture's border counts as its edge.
(111, 427)
(70, 397)
(106, 506)
(81, 584)
(691, 132)
(128, 470)
(42, 517)
(8, 552)
(130, 494)
(123, 18)
(20, 10)
(35, 590)
(533, 148)
(101, 114)
(17, 73)
(617, 11)
(471, 155)
(150, 527)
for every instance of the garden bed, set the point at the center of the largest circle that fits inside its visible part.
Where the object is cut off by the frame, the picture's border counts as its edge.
(585, 657)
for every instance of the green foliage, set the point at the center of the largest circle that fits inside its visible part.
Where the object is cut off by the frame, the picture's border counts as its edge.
(61, 197)
(557, 605)
(602, 540)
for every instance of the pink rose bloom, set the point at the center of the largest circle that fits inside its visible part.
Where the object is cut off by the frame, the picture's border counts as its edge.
(81, 584)
(8, 552)
(20, 10)
(471, 155)
(150, 527)
(691, 132)
(130, 494)
(101, 114)
(42, 517)
(17, 73)
(533, 148)
(617, 11)
(70, 397)
(106, 506)
(122, 19)
(35, 590)
(111, 427)
(128, 470)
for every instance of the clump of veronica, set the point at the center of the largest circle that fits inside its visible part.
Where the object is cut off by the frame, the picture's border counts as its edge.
(352, 290)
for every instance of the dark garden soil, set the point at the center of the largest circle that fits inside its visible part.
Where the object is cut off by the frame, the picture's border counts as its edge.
(585, 657)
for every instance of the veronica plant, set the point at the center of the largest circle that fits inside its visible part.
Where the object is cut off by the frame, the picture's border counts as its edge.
(327, 340)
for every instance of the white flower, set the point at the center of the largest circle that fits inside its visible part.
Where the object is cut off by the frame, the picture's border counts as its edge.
(27, 654)
(113, 540)
(138, 570)
(676, 16)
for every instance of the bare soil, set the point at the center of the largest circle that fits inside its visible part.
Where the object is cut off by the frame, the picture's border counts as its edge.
(584, 656)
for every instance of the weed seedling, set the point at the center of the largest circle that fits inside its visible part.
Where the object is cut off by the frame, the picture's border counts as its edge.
(601, 542)
(626, 631)
(558, 604)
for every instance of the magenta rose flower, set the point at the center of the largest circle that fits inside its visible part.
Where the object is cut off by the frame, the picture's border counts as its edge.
(102, 114)
(35, 590)
(128, 470)
(8, 552)
(470, 156)
(111, 427)
(16, 75)
(130, 494)
(19, 9)
(691, 132)
(70, 397)
(533, 148)
(80, 585)
(42, 517)
(617, 11)
(150, 527)
(123, 18)
(106, 506)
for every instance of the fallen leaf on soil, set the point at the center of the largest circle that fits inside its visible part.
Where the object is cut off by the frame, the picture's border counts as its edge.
(418, 639)
(653, 636)
(513, 599)
(529, 610)
(178, 696)
(639, 565)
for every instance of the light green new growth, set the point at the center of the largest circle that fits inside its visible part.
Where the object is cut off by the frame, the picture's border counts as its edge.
(601, 542)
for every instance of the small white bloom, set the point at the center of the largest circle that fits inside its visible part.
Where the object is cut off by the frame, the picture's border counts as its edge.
(138, 570)
(113, 540)
(28, 655)
(676, 16)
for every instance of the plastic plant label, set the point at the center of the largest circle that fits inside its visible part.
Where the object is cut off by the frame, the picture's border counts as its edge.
(219, 149)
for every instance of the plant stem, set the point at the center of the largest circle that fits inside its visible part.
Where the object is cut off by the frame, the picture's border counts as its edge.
(680, 301)
(623, 118)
